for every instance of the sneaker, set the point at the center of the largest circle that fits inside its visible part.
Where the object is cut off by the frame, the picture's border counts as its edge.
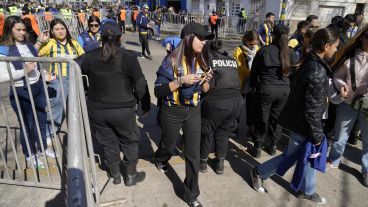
(142, 56)
(365, 179)
(149, 57)
(159, 38)
(194, 203)
(162, 166)
(315, 198)
(257, 181)
(36, 161)
(50, 153)
(49, 142)
(331, 166)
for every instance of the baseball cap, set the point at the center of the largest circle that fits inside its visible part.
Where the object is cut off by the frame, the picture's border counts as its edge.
(197, 29)
(145, 6)
(110, 28)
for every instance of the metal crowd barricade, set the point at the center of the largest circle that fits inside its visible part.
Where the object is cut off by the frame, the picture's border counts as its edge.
(79, 177)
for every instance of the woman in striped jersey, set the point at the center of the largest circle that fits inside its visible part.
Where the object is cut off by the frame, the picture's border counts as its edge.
(60, 44)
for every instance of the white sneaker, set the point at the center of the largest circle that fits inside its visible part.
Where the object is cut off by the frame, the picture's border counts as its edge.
(34, 160)
(50, 153)
(49, 142)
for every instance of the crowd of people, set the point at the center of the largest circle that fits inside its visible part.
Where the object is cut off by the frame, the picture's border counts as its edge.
(311, 85)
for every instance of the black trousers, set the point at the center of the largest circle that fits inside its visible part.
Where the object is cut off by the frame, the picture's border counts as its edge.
(122, 24)
(271, 99)
(143, 39)
(134, 25)
(214, 29)
(115, 130)
(219, 119)
(188, 119)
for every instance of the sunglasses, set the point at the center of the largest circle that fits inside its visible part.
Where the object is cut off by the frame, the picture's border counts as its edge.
(94, 25)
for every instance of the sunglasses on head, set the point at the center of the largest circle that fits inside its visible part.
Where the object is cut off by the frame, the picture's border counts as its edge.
(94, 25)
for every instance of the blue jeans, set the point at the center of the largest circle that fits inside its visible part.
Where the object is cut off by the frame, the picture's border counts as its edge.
(296, 143)
(57, 105)
(28, 116)
(345, 119)
(158, 28)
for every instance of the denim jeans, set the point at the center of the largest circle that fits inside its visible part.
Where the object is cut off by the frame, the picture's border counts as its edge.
(57, 105)
(296, 143)
(158, 28)
(345, 119)
(30, 124)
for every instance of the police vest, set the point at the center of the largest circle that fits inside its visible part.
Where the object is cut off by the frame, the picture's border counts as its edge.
(225, 74)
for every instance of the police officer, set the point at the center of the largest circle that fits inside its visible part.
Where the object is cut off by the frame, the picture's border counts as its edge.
(143, 27)
(221, 106)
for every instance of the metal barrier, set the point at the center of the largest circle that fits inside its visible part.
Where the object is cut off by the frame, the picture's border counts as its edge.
(79, 177)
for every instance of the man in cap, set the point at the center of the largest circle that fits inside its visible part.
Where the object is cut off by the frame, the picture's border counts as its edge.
(143, 27)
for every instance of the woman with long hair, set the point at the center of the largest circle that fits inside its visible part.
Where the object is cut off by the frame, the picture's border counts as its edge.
(112, 115)
(269, 77)
(60, 44)
(16, 39)
(180, 80)
(351, 78)
(302, 116)
(90, 39)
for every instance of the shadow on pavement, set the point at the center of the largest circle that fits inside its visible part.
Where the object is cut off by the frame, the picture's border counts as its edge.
(133, 43)
(176, 182)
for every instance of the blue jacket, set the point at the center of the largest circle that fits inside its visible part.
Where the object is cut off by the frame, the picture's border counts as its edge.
(185, 95)
(142, 21)
(315, 156)
(87, 41)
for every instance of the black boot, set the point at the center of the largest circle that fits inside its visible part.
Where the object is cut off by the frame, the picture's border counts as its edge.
(219, 167)
(130, 180)
(203, 165)
(272, 150)
(257, 149)
(115, 174)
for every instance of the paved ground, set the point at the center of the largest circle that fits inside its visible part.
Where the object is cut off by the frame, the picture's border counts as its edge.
(341, 187)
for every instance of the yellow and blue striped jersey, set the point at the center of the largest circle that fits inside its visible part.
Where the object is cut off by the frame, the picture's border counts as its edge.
(56, 49)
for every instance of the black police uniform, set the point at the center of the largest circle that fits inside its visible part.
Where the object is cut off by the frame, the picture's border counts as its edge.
(221, 105)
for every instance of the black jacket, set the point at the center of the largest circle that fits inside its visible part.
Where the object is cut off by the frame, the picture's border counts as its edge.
(306, 104)
(116, 84)
(266, 67)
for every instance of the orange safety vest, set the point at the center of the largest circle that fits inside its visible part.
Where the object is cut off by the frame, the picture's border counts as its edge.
(213, 19)
(135, 14)
(82, 17)
(34, 23)
(96, 13)
(2, 20)
(48, 16)
(122, 15)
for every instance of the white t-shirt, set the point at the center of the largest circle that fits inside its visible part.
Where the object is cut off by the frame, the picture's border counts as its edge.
(34, 75)
(4, 75)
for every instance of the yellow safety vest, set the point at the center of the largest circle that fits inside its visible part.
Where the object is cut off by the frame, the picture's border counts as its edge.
(13, 10)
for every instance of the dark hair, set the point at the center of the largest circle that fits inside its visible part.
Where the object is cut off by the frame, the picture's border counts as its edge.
(322, 37)
(302, 24)
(7, 37)
(269, 14)
(185, 50)
(32, 35)
(68, 36)
(358, 14)
(110, 48)
(306, 47)
(281, 40)
(337, 21)
(250, 35)
(351, 18)
(311, 17)
(349, 49)
(93, 18)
